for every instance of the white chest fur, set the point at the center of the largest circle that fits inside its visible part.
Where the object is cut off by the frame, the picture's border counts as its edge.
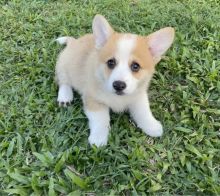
(118, 103)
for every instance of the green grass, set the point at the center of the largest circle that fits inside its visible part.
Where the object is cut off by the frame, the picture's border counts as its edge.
(44, 148)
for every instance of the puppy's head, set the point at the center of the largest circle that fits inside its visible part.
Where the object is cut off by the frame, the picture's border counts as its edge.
(127, 61)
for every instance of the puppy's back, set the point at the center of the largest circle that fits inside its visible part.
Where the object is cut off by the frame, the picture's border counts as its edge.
(72, 63)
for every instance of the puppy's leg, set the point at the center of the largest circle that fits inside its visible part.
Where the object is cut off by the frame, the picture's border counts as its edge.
(65, 95)
(142, 115)
(98, 116)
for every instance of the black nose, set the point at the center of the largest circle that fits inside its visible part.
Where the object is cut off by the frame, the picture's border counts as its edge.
(119, 85)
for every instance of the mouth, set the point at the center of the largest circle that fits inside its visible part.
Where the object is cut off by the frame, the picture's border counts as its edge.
(119, 92)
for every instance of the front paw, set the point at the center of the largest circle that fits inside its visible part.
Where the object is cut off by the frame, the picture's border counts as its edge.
(63, 103)
(65, 99)
(65, 95)
(98, 140)
(154, 129)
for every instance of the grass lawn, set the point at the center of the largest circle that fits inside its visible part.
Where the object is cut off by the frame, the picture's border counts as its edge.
(44, 148)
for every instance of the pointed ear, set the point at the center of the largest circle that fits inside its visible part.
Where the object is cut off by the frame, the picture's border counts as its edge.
(101, 30)
(159, 42)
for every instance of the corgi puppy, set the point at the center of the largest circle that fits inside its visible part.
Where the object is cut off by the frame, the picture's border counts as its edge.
(111, 70)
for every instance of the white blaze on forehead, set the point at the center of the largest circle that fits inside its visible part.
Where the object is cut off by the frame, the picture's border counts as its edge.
(125, 46)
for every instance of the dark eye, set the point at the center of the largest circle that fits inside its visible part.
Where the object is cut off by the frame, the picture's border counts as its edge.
(135, 67)
(111, 63)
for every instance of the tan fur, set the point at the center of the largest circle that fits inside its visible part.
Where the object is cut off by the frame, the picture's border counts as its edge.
(108, 51)
(142, 56)
(91, 104)
(71, 66)
(78, 63)
(82, 65)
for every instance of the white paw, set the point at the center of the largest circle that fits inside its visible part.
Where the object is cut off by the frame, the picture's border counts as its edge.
(98, 140)
(154, 129)
(65, 95)
(64, 102)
